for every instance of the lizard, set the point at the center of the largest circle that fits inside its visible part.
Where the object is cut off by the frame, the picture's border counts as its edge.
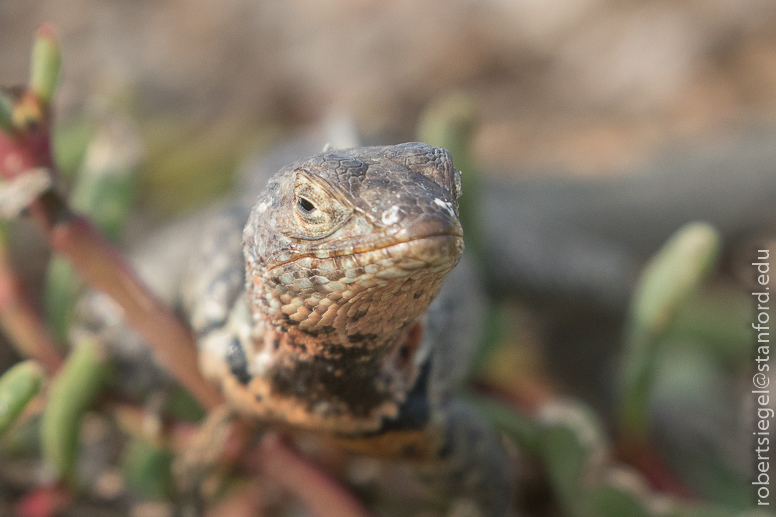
(314, 307)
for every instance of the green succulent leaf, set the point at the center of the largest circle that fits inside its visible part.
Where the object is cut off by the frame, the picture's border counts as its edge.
(17, 387)
(46, 62)
(6, 113)
(668, 280)
(72, 392)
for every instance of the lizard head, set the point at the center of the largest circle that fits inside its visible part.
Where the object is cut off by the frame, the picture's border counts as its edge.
(354, 242)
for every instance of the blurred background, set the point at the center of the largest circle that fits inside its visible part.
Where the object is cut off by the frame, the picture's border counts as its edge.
(593, 129)
(583, 87)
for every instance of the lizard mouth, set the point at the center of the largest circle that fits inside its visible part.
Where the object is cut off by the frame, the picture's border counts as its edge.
(429, 250)
(430, 238)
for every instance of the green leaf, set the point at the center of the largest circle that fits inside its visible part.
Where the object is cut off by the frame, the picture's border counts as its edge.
(608, 500)
(672, 275)
(70, 140)
(6, 113)
(717, 321)
(106, 182)
(17, 387)
(46, 61)
(572, 446)
(517, 425)
(668, 280)
(182, 406)
(62, 289)
(148, 469)
(72, 392)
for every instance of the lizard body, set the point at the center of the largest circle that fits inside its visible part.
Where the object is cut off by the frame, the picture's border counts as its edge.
(310, 305)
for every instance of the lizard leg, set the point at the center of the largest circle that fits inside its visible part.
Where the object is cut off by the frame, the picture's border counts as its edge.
(472, 468)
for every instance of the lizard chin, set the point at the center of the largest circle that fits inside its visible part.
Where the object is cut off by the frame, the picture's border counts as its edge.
(375, 292)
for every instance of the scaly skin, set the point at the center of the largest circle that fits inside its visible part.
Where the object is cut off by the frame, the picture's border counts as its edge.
(343, 253)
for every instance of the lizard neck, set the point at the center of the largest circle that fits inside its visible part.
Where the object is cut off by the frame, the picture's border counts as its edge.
(324, 378)
(367, 380)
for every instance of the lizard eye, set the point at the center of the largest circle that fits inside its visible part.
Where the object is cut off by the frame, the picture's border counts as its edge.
(306, 205)
(317, 209)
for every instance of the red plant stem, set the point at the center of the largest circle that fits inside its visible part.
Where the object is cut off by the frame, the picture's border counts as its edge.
(244, 501)
(21, 322)
(322, 494)
(45, 501)
(103, 267)
(646, 459)
(29, 148)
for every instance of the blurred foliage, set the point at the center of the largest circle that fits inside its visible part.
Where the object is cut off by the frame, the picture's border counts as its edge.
(63, 287)
(690, 377)
(680, 342)
(668, 280)
(571, 443)
(6, 112)
(147, 469)
(190, 162)
(182, 406)
(72, 392)
(69, 142)
(103, 188)
(22, 440)
(17, 387)
(716, 319)
(45, 64)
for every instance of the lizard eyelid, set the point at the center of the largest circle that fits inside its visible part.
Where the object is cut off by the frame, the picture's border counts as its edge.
(318, 208)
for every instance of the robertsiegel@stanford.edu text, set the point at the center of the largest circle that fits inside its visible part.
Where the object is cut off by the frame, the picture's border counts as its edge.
(761, 379)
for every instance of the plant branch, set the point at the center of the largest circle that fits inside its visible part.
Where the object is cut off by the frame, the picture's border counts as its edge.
(322, 494)
(20, 321)
(103, 267)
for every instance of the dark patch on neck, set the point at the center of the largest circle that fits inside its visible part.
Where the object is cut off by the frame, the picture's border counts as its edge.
(359, 338)
(238, 364)
(318, 331)
(348, 376)
(415, 411)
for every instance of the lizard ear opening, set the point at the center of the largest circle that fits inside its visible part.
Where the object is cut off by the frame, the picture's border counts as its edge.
(318, 210)
(433, 162)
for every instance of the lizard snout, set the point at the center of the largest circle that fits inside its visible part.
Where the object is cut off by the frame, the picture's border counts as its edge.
(439, 218)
